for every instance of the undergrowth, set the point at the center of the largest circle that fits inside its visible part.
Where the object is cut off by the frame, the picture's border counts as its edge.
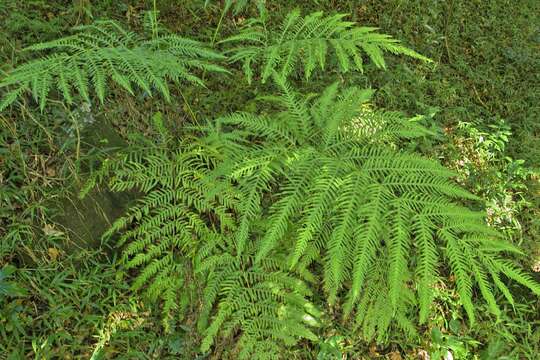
(252, 196)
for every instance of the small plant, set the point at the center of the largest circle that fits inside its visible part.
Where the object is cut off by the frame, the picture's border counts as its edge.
(331, 348)
(9, 288)
(450, 346)
(483, 166)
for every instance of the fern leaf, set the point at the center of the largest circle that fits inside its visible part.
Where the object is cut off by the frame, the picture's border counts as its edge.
(105, 51)
(340, 240)
(397, 251)
(460, 267)
(309, 38)
(427, 263)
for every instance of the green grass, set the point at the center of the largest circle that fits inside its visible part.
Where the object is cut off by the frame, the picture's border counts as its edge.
(486, 63)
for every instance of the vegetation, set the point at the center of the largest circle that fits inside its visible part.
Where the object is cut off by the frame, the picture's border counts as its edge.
(104, 50)
(254, 180)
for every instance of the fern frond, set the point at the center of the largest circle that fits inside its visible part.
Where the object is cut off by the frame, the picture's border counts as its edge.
(282, 211)
(267, 306)
(176, 216)
(398, 248)
(461, 269)
(364, 210)
(315, 211)
(305, 41)
(513, 272)
(426, 267)
(348, 199)
(103, 53)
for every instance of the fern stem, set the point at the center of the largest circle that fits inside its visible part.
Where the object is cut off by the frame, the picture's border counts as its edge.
(218, 26)
(190, 110)
(154, 21)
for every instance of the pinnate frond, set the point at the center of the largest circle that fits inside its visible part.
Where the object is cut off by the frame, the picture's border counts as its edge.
(358, 202)
(305, 41)
(103, 53)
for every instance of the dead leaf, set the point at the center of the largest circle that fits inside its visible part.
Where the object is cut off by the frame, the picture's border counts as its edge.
(54, 253)
(373, 350)
(49, 230)
(536, 266)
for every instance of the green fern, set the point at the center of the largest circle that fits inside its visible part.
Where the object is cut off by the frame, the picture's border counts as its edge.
(178, 212)
(104, 52)
(357, 203)
(375, 313)
(306, 41)
(259, 302)
(175, 238)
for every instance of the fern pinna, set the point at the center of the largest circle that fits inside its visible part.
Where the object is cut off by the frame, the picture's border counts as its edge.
(307, 40)
(102, 52)
(381, 222)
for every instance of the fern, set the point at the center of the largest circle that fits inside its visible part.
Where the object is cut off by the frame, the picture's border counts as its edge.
(102, 53)
(175, 239)
(261, 302)
(178, 212)
(261, 205)
(306, 41)
(351, 197)
(375, 312)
